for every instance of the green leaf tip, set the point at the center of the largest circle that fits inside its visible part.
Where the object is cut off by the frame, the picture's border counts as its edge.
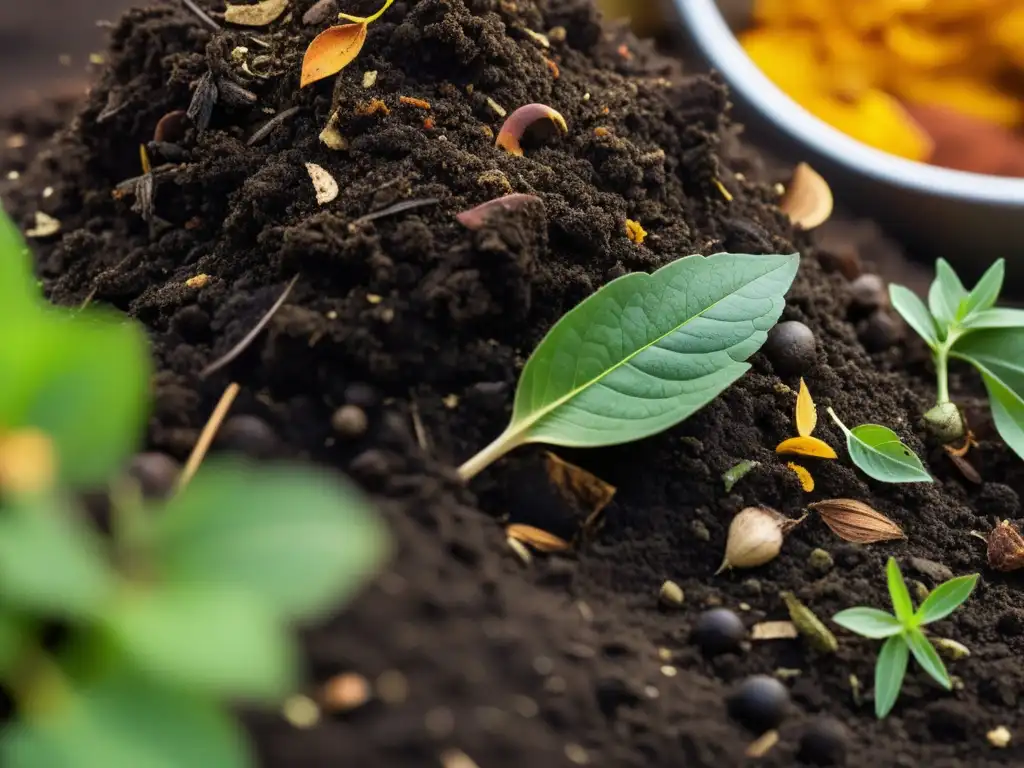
(881, 455)
(645, 352)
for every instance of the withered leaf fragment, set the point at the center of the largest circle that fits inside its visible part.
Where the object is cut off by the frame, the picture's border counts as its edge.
(542, 541)
(580, 488)
(961, 463)
(808, 199)
(856, 522)
(256, 15)
(200, 109)
(1005, 548)
(232, 93)
(810, 626)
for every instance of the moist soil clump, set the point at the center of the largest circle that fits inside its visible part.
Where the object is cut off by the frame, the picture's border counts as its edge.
(419, 327)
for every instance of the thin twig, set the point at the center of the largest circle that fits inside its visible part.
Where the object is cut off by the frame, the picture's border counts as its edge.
(201, 14)
(241, 346)
(271, 124)
(206, 436)
(417, 424)
(391, 210)
(88, 299)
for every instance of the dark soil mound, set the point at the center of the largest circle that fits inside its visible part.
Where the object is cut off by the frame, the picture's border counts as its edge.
(419, 321)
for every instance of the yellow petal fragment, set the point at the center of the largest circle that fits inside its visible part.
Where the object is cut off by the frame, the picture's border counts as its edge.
(805, 478)
(806, 446)
(635, 232)
(806, 412)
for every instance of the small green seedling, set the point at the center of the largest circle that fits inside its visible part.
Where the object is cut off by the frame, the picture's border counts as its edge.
(645, 352)
(903, 632)
(880, 454)
(969, 327)
(187, 605)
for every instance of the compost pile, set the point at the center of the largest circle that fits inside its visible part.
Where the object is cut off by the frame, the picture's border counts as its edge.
(423, 325)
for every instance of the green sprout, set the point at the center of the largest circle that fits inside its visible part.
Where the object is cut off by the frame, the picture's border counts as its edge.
(903, 634)
(186, 606)
(968, 326)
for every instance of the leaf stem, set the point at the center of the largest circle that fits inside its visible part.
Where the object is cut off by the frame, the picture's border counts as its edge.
(942, 374)
(504, 443)
(366, 19)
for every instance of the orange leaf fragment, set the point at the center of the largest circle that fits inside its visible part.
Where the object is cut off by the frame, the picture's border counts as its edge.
(807, 446)
(805, 478)
(331, 51)
(806, 412)
(542, 541)
(413, 102)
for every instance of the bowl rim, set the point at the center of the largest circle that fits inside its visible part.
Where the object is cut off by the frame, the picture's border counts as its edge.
(711, 33)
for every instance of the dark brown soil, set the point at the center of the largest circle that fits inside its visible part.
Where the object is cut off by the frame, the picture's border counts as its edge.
(569, 659)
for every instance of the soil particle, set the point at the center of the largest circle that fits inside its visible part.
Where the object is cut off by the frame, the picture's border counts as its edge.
(414, 305)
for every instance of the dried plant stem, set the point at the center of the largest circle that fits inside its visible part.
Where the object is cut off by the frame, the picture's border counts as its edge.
(207, 435)
(203, 16)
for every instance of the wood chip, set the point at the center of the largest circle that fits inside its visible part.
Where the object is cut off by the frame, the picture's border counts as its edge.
(774, 630)
(331, 136)
(763, 744)
(256, 15)
(345, 692)
(540, 540)
(808, 199)
(324, 184)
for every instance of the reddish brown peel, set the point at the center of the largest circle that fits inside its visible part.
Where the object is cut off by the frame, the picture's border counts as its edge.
(475, 218)
(517, 123)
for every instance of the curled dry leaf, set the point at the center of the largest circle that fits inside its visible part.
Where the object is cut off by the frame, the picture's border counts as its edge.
(808, 199)
(542, 541)
(331, 51)
(580, 488)
(807, 446)
(774, 630)
(257, 15)
(515, 126)
(475, 218)
(1005, 548)
(331, 136)
(324, 184)
(855, 521)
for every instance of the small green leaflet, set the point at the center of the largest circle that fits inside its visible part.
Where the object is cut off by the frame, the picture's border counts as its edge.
(998, 354)
(890, 670)
(645, 352)
(915, 313)
(878, 452)
(985, 292)
(945, 296)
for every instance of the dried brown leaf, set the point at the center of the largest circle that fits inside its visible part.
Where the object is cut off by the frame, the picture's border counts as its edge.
(960, 462)
(855, 521)
(542, 541)
(331, 51)
(580, 488)
(257, 15)
(1005, 548)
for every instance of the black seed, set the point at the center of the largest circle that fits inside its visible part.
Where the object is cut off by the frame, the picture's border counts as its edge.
(880, 331)
(249, 435)
(868, 292)
(719, 631)
(759, 703)
(156, 474)
(791, 348)
(824, 742)
(349, 421)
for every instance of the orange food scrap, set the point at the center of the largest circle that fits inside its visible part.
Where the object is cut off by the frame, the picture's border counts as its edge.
(625, 53)
(373, 107)
(601, 132)
(418, 103)
(635, 232)
(429, 123)
(555, 71)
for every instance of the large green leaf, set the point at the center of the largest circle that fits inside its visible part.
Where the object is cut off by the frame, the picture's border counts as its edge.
(927, 657)
(205, 638)
(18, 291)
(880, 454)
(299, 539)
(51, 562)
(998, 354)
(945, 599)
(915, 313)
(646, 351)
(127, 722)
(82, 379)
(945, 295)
(869, 622)
(890, 669)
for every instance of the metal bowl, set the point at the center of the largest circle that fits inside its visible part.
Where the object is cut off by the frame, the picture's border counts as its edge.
(969, 218)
